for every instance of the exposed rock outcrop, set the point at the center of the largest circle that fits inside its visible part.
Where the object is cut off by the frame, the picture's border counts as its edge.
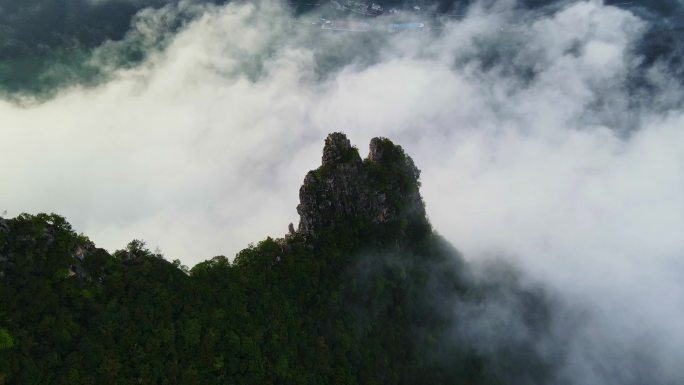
(44, 243)
(347, 193)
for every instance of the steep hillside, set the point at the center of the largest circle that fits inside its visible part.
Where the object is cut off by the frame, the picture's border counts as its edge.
(361, 292)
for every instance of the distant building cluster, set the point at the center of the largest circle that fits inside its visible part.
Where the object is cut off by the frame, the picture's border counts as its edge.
(362, 16)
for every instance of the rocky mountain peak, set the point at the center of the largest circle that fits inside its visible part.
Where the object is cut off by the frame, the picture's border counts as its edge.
(376, 150)
(372, 198)
(337, 148)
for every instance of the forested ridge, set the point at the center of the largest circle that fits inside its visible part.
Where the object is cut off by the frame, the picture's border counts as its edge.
(362, 292)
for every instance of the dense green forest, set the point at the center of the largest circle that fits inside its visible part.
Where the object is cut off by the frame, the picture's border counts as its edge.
(363, 292)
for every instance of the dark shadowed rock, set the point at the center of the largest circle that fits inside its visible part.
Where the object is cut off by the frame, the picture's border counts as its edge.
(4, 230)
(379, 194)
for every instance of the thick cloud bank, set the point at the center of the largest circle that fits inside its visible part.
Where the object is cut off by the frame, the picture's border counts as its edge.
(545, 138)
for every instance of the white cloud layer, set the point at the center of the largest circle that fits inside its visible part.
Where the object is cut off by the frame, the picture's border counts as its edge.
(531, 144)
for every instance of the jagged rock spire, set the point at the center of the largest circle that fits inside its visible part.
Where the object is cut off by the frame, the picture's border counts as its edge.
(337, 146)
(347, 194)
(376, 150)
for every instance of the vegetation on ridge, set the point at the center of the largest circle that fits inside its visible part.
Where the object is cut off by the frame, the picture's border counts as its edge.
(318, 307)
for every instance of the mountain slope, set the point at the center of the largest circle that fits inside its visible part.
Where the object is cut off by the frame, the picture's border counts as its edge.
(362, 292)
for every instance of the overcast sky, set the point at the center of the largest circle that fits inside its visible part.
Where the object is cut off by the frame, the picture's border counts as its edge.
(535, 141)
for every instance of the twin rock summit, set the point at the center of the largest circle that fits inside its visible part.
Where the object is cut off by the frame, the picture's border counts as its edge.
(377, 197)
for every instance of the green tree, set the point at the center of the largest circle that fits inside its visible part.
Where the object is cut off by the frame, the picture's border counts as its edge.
(6, 340)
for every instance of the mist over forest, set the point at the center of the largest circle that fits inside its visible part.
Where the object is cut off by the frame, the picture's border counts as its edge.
(549, 139)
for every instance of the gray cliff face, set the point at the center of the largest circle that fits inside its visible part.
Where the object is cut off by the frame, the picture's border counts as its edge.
(348, 191)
